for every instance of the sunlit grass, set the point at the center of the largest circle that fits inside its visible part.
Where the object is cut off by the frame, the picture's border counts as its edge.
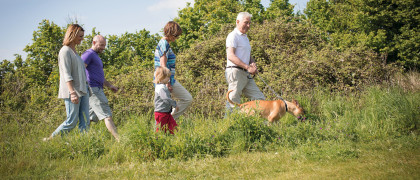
(373, 134)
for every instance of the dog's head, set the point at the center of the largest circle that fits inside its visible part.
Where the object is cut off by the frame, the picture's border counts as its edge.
(298, 111)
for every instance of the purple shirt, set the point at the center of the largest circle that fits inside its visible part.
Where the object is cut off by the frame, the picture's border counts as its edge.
(94, 69)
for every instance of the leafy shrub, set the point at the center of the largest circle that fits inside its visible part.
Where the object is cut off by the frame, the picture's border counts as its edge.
(292, 55)
(136, 91)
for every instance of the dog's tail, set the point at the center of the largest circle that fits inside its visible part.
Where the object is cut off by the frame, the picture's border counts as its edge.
(230, 101)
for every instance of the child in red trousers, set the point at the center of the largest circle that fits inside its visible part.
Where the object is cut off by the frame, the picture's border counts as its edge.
(163, 101)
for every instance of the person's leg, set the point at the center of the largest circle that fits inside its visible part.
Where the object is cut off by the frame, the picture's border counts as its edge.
(236, 80)
(112, 128)
(72, 111)
(164, 122)
(161, 121)
(184, 99)
(84, 121)
(158, 120)
(92, 116)
(101, 110)
(93, 102)
(172, 125)
(252, 91)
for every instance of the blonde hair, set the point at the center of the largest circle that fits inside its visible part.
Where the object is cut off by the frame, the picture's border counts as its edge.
(172, 30)
(71, 34)
(161, 73)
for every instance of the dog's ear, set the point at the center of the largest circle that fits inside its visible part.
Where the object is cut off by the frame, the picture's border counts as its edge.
(295, 102)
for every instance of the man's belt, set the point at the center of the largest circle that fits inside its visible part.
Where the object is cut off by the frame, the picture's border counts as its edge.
(237, 67)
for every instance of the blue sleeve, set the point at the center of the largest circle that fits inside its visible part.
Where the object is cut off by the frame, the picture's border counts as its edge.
(163, 47)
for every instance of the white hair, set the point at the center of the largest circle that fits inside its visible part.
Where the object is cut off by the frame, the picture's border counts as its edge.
(243, 15)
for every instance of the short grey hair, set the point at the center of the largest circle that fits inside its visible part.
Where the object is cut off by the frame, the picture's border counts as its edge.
(243, 15)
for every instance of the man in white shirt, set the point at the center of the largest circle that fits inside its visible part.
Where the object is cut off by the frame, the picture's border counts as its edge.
(240, 64)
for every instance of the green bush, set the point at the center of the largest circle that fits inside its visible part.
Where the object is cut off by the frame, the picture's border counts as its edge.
(292, 55)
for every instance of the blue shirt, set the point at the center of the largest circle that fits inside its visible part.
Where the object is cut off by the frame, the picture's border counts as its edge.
(162, 48)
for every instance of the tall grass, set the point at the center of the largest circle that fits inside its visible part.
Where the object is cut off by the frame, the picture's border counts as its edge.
(337, 127)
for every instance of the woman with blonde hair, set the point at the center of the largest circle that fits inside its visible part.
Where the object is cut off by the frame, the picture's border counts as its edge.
(73, 86)
(165, 57)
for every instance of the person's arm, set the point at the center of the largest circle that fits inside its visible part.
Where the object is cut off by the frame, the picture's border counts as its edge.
(163, 61)
(87, 58)
(110, 86)
(170, 101)
(65, 72)
(165, 96)
(235, 60)
(73, 95)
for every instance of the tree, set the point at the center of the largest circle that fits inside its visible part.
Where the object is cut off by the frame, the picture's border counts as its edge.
(388, 27)
(14, 83)
(279, 8)
(207, 17)
(43, 52)
(6, 67)
(129, 49)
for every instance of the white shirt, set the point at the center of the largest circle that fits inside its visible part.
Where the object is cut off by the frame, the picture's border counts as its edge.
(240, 42)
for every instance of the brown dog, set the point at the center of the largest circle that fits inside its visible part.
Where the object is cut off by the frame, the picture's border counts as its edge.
(272, 110)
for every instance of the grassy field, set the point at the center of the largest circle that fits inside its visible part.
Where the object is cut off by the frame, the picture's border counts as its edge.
(370, 134)
(371, 164)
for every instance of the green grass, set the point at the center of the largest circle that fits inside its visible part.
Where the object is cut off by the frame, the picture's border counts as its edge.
(367, 135)
(387, 163)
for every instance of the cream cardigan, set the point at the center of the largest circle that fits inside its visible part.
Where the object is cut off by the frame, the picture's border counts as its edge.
(71, 67)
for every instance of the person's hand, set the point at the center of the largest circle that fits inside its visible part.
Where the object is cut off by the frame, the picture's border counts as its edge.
(169, 87)
(256, 68)
(252, 69)
(113, 88)
(253, 64)
(74, 98)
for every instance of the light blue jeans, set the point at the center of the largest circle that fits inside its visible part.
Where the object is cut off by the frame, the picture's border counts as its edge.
(75, 113)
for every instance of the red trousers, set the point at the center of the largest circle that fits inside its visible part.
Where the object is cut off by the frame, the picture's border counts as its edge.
(166, 122)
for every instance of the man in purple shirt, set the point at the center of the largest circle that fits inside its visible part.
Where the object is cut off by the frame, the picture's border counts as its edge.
(99, 108)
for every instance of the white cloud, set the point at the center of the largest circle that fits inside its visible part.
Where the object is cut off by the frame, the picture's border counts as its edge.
(171, 5)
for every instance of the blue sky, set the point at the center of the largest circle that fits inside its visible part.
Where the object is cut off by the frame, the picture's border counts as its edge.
(20, 18)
